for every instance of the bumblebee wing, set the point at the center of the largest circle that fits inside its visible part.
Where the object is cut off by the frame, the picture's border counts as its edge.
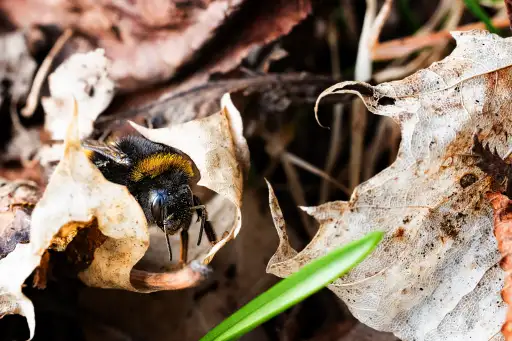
(110, 151)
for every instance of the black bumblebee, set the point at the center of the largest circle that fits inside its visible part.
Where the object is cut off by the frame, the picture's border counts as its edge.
(159, 177)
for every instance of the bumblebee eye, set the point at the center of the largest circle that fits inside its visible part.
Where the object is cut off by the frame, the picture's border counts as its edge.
(157, 209)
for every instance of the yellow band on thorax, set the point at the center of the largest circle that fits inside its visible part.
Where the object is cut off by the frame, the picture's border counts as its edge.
(157, 164)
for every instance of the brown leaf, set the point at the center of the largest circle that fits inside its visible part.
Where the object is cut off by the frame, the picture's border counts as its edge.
(172, 106)
(149, 41)
(502, 216)
(16, 263)
(439, 255)
(16, 199)
(17, 68)
(102, 228)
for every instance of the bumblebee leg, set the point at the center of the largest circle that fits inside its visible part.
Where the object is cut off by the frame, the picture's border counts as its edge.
(210, 233)
(199, 207)
(206, 226)
(184, 246)
(201, 215)
(168, 246)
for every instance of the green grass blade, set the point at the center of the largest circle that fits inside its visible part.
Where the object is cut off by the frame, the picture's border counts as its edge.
(289, 291)
(477, 10)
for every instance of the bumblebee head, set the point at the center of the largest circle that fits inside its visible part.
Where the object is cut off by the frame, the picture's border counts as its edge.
(169, 208)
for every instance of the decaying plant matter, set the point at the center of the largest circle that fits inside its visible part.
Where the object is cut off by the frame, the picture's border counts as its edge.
(173, 71)
(439, 255)
(117, 236)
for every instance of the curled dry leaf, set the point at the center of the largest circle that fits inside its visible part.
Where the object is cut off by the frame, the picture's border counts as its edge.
(284, 251)
(218, 148)
(14, 238)
(436, 274)
(82, 76)
(78, 198)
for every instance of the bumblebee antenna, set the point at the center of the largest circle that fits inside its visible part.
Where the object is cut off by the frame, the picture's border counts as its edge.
(167, 237)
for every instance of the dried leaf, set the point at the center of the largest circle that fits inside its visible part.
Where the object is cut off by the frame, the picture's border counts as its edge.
(219, 150)
(78, 198)
(239, 274)
(15, 264)
(171, 106)
(17, 66)
(16, 199)
(493, 165)
(87, 198)
(84, 77)
(502, 221)
(435, 276)
(149, 41)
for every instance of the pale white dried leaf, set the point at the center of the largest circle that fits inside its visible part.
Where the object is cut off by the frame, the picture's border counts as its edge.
(16, 65)
(78, 195)
(284, 250)
(14, 269)
(436, 274)
(85, 195)
(84, 77)
(17, 68)
(219, 150)
(16, 258)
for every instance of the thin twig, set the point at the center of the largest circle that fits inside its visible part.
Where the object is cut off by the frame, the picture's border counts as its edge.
(350, 17)
(297, 193)
(334, 143)
(401, 71)
(297, 161)
(403, 47)
(378, 23)
(369, 37)
(363, 69)
(442, 11)
(396, 70)
(33, 96)
(453, 20)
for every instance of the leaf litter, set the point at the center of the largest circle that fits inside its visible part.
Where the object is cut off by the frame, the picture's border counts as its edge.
(84, 77)
(150, 41)
(436, 274)
(15, 260)
(93, 204)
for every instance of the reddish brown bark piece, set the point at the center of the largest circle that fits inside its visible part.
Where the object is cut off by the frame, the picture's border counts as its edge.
(502, 206)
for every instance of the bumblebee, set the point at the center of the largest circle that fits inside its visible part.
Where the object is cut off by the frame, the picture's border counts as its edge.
(159, 177)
